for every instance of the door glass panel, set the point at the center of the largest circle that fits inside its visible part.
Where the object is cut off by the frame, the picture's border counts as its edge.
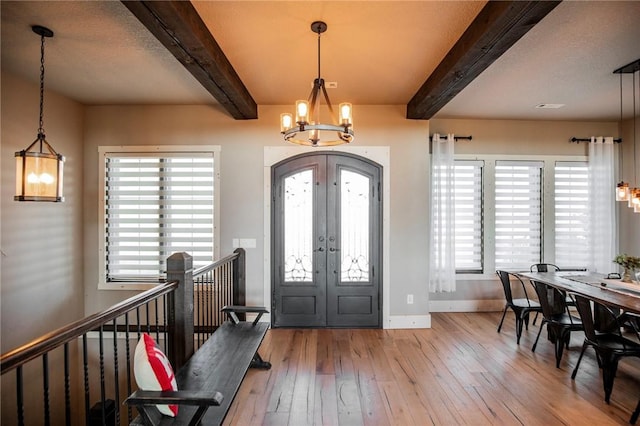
(298, 227)
(354, 227)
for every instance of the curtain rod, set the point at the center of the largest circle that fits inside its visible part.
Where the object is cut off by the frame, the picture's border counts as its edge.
(467, 138)
(578, 140)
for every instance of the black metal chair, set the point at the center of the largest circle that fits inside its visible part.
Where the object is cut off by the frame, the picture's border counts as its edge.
(602, 331)
(543, 267)
(560, 323)
(550, 267)
(521, 307)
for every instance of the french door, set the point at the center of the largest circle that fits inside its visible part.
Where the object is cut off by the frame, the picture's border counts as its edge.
(326, 241)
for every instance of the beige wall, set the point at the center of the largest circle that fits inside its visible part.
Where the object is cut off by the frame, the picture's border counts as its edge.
(64, 230)
(519, 137)
(41, 243)
(242, 183)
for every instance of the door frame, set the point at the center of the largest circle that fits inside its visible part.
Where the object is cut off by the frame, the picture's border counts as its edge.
(379, 154)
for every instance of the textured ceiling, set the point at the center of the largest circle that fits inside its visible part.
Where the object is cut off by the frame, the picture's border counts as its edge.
(379, 52)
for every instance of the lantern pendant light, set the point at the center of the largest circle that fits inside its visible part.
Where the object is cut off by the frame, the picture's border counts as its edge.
(39, 168)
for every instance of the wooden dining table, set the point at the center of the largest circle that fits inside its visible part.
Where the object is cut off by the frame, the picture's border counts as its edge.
(611, 292)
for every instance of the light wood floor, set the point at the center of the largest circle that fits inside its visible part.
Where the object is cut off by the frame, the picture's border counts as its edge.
(459, 372)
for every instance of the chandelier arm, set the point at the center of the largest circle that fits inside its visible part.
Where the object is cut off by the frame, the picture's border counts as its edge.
(326, 98)
(315, 110)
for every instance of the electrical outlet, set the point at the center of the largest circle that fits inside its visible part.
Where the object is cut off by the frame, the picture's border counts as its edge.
(409, 299)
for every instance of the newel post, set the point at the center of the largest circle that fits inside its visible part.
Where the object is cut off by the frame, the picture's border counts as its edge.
(239, 280)
(180, 306)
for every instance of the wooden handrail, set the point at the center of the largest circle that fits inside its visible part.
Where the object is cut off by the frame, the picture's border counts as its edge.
(216, 264)
(52, 340)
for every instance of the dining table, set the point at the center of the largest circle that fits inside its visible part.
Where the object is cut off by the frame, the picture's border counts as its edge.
(611, 292)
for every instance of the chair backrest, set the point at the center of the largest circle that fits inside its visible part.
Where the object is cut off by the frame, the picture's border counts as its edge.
(506, 285)
(586, 315)
(600, 319)
(551, 299)
(505, 279)
(543, 267)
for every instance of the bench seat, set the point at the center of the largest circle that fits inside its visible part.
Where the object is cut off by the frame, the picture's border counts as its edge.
(214, 372)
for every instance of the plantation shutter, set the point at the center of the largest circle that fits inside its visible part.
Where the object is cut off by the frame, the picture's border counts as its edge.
(157, 204)
(468, 211)
(518, 214)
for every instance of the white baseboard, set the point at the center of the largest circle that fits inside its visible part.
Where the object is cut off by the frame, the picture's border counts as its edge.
(409, 321)
(466, 305)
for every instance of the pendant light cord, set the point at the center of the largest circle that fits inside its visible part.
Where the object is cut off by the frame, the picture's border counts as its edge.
(41, 124)
(635, 117)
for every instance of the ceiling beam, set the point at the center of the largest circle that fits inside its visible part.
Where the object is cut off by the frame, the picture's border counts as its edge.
(498, 26)
(181, 30)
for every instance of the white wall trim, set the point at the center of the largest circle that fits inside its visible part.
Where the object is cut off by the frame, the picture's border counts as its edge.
(496, 305)
(408, 321)
(379, 154)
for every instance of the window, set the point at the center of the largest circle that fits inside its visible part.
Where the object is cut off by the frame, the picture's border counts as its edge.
(468, 216)
(155, 204)
(518, 214)
(571, 213)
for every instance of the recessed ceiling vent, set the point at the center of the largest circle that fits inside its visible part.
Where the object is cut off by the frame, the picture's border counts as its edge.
(549, 106)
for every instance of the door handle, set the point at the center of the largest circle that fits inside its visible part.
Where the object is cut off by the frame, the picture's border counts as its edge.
(320, 248)
(332, 249)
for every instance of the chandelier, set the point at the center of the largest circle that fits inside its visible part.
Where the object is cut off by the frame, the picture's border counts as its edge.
(38, 171)
(307, 116)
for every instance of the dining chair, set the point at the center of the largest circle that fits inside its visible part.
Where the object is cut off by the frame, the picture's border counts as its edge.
(555, 314)
(543, 267)
(521, 306)
(602, 331)
(550, 267)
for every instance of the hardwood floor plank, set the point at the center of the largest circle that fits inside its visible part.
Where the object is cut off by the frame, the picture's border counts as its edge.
(395, 405)
(459, 372)
(303, 398)
(326, 401)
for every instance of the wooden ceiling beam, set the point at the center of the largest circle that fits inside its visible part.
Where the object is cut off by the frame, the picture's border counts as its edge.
(498, 26)
(181, 30)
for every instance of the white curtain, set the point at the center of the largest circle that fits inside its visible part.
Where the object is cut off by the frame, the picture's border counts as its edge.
(442, 269)
(603, 238)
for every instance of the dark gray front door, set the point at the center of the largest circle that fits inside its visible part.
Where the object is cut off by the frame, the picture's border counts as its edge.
(326, 244)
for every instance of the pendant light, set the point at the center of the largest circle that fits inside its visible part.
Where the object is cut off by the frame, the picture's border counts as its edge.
(307, 117)
(624, 192)
(39, 168)
(622, 188)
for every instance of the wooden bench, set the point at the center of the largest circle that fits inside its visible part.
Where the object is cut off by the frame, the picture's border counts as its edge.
(209, 381)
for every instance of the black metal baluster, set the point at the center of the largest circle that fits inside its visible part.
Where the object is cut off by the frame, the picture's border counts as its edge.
(87, 396)
(127, 346)
(45, 385)
(20, 396)
(155, 301)
(146, 306)
(103, 391)
(218, 293)
(198, 312)
(204, 304)
(67, 386)
(138, 322)
(200, 318)
(165, 321)
(116, 372)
